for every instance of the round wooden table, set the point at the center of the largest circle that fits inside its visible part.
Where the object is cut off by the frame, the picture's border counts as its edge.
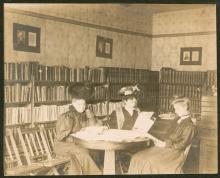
(110, 147)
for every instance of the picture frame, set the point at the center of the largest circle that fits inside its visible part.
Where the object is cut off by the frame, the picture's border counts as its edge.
(104, 47)
(26, 38)
(191, 56)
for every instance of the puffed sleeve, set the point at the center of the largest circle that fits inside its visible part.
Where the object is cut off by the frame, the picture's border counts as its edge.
(91, 119)
(64, 127)
(183, 140)
(112, 122)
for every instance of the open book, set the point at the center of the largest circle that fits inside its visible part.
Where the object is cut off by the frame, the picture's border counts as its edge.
(144, 123)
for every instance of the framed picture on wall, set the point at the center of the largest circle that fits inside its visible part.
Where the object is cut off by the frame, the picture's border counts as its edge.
(191, 56)
(104, 47)
(26, 38)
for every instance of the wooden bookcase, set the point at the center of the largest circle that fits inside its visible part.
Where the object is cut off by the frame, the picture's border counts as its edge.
(48, 86)
(183, 83)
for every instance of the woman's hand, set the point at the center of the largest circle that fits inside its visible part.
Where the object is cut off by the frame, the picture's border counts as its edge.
(159, 143)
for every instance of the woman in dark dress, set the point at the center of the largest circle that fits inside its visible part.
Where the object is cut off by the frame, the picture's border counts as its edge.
(71, 122)
(167, 157)
(125, 117)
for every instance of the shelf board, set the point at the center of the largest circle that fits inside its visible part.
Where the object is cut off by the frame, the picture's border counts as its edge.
(133, 83)
(175, 83)
(170, 97)
(115, 99)
(51, 103)
(91, 101)
(17, 104)
(65, 83)
(51, 83)
(11, 82)
(18, 125)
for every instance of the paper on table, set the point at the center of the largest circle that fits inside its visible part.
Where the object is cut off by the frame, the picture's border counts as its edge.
(115, 135)
(143, 122)
(121, 135)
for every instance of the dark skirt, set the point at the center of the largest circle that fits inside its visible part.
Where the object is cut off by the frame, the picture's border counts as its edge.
(157, 160)
(81, 161)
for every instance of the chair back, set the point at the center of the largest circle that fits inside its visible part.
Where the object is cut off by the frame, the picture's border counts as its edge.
(11, 153)
(49, 132)
(33, 144)
(186, 152)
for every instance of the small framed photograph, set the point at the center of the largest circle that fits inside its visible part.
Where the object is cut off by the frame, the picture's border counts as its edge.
(191, 56)
(186, 56)
(104, 47)
(26, 38)
(195, 55)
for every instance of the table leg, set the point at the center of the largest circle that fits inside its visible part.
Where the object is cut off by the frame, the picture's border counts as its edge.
(109, 162)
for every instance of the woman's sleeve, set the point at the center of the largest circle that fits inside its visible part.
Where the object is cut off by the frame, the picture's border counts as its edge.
(183, 140)
(63, 127)
(112, 122)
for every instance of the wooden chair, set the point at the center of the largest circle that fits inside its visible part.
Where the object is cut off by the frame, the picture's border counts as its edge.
(49, 132)
(33, 145)
(36, 149)
(187, 149)
(13, 162)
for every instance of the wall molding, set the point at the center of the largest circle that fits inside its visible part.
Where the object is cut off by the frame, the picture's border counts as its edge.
(102, 27)
(76, 22)
(184, 34)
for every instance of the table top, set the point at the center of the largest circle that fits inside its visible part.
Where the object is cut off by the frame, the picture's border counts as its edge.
(122, 140)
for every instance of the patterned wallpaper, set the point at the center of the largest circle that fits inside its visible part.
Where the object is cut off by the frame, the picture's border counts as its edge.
(166, 49)
(110, 15)
(74, 45)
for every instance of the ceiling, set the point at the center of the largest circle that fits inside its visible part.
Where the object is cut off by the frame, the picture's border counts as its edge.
(142, 9)
(157, 8)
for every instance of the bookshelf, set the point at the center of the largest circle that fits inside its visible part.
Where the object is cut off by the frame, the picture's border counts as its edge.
(34, 84)
(186, 83)
(33, 89)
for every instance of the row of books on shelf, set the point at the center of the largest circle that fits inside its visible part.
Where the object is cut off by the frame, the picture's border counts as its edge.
(97, 75)
(169, 75)
(149, 90)
(165, 105)
(100, 93)
(211, 78)
(104, 108)
(43, 113)
(48, 113)
(19, 115)
(17, 93)
(25, 71)
(149, 101)
(146, 91)
(51, 93)
(130, 75)
(168, 90)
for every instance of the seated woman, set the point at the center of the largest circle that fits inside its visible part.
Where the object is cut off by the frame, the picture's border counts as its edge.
(167, 157)
(125, 117)
(71, 122)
